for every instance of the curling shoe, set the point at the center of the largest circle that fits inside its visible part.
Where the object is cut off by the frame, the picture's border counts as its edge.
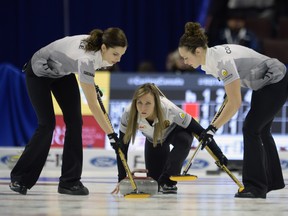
(165, 189)
(248, 194)
(17, 187)
(78, 189)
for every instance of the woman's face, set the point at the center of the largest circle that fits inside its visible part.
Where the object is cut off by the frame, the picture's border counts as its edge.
(194, 60)
(112, 55)
(145, 106)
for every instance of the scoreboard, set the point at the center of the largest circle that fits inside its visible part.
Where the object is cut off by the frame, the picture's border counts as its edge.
(199, 95)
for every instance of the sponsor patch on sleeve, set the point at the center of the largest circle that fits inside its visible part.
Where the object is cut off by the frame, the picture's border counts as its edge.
(226, 70)
(88, 73)
(224, 73)
(182, 115)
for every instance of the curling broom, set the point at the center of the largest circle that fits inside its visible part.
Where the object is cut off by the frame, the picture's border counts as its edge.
(184, 176)
(217, 162)
(135, 193)
(225, 169)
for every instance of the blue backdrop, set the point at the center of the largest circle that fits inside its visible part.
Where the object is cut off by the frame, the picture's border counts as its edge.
(153, 27)
(18, 119)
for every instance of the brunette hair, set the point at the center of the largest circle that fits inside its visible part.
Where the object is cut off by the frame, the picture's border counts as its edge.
(111, 37)
(193, 37)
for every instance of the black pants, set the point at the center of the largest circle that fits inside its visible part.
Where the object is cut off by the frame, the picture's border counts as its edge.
(261, 166)
(66, 91)
(161, 163)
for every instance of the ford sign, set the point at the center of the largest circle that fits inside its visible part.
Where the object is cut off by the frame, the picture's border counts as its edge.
(103, 161)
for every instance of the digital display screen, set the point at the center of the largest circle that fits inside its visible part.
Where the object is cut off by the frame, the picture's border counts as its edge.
(199, 95)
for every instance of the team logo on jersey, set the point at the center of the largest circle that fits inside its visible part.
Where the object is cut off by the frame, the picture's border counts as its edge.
(166, 123)
(224, 73)
(182, 115)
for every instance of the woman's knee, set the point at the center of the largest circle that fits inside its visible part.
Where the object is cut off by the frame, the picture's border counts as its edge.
(47, 126)
(184, 140)
(266, 134)
(249, 127)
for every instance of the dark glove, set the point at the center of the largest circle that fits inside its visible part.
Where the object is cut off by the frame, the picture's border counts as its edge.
(207, 135)
(218, 153)
(114, 141)
(223, 160)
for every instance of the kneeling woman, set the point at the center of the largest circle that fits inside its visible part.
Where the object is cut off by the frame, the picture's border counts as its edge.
(162, 123)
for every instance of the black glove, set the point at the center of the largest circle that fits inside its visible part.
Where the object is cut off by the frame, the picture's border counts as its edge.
(114, 141)
(223, 160)
(207, 135)
(218, 153)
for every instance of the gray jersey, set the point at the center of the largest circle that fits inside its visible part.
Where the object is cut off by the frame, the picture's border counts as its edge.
(173, 116)
(229, 62)
(65, 56)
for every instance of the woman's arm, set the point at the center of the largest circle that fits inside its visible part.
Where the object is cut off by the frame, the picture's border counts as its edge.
(91, 97)
(233, 94)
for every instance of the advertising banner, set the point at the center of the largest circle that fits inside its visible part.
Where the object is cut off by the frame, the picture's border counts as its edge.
(92, 134)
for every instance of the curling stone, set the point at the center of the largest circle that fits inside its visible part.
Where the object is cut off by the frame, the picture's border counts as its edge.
(144, 184)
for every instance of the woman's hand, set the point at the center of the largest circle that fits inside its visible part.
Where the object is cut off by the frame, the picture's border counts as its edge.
(116, 190)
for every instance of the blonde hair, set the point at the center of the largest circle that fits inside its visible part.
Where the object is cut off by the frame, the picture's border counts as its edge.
(147, 88)
(193, 37)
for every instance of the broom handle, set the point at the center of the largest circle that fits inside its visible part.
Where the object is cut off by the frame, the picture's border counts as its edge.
(190, 162)
(188, 165)
(119, 151)
(223, 167)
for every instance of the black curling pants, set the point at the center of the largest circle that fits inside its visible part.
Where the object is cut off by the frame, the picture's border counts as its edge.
(161, 163)
(66, 91)
(261, 166)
